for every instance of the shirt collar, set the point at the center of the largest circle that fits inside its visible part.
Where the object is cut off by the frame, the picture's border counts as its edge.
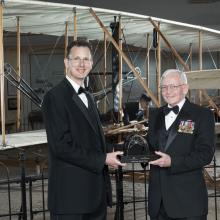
(73, 83)
(180, 104)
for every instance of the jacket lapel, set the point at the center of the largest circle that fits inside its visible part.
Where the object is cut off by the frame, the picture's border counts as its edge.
(173, 133)
(174, 129)
(71, 92)
(97, 118)
(83, 109)
(159, 123)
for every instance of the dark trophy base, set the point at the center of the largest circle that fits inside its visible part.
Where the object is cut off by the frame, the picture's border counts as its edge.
(136, 150)
(138, 158)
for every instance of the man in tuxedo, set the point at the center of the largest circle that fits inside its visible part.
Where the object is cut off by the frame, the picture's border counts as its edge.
(182, 135)
(79, 184)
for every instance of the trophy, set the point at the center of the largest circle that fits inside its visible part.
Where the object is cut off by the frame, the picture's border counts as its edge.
(136, 150)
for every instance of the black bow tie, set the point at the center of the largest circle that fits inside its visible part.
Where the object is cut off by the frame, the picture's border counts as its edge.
(82, 90)
(167, 110)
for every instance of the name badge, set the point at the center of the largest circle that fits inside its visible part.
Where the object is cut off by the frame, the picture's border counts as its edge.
(186, 127)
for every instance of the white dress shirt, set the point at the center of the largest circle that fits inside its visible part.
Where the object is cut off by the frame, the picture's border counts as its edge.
(76, 87)
(171, 117)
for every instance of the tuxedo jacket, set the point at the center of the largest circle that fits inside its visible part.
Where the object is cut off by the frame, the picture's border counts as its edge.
(190, 144)
(78, 178)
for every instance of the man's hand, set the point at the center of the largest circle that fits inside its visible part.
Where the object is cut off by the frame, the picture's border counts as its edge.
(112, 159)
(163, 161)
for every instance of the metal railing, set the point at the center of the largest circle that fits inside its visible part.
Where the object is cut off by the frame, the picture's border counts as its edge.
(29, 192)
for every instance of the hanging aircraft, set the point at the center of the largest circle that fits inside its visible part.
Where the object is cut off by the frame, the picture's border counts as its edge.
(39, 18)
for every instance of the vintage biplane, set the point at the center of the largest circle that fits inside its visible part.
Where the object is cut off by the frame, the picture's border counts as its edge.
(34, 34)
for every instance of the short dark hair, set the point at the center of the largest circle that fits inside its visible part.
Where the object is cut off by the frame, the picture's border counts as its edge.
(78, 43)
(145, 98)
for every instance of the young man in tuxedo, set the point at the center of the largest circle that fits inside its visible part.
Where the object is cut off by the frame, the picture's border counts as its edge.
(79, 184)
(182, 135)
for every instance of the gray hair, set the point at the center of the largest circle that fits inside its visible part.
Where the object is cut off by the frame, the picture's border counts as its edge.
(182, 75)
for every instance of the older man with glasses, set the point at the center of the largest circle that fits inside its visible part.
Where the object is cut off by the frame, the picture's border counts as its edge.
(182, 135)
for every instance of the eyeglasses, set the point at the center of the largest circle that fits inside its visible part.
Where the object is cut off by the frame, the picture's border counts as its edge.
(78, 60)
(170, 87)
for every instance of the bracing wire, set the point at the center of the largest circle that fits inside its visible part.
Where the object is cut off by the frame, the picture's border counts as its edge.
(12, 76)
(186, 61)
(40, 69)
(213, 61)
